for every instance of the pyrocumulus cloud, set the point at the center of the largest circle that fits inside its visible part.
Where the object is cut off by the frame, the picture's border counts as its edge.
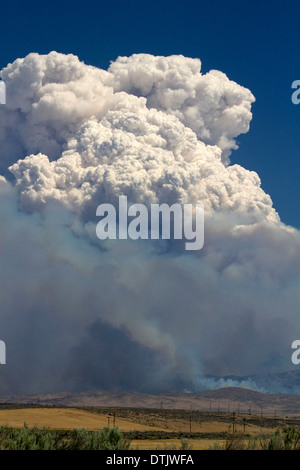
(79, 313)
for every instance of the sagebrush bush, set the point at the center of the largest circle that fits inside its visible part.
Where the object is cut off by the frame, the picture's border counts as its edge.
(282, 439)
(78, 439)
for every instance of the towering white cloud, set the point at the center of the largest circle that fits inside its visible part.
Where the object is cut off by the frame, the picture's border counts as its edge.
(215, 108)
(157, 130)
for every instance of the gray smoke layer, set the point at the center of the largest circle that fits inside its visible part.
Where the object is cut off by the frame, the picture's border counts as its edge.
(80, 313)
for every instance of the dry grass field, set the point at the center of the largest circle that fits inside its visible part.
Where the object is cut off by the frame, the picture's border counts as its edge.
(147, 428)
(64, 418)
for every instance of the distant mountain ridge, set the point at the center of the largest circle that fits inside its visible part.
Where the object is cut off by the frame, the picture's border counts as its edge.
(281, 382)
(226, 399)
(264, 393)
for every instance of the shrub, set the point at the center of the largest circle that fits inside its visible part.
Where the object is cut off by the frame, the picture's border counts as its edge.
(78, 439)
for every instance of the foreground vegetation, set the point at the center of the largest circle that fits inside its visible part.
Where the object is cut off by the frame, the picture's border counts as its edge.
(282, 439)
(78, 439)
(112, 439)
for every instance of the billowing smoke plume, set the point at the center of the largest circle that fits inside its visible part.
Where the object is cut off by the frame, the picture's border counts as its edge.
(79, 313)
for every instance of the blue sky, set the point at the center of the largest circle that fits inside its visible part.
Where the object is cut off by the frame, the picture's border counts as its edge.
(256, 43)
